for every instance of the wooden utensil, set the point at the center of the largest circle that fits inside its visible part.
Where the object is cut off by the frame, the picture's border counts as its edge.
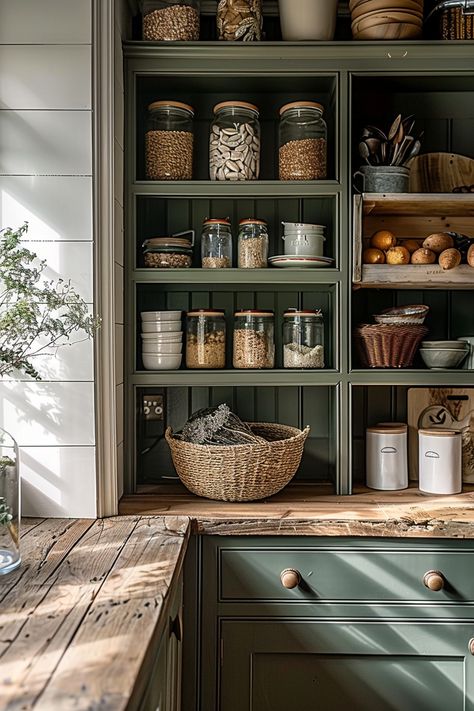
(364, 152)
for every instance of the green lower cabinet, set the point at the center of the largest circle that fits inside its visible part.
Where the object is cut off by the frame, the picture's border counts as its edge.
(335, 666)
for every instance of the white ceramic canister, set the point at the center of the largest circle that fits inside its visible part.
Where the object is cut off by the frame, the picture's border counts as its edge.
(440, 461)
(386, 456)
(303, 240)
(308, 20)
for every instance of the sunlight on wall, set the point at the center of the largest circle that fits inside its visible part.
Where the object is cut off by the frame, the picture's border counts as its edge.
(13, 214)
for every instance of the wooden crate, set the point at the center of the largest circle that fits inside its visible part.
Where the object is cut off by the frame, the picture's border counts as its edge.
(410, 215)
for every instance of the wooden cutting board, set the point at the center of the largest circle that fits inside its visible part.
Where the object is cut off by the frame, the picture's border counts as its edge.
(448, 408)
(440, 172)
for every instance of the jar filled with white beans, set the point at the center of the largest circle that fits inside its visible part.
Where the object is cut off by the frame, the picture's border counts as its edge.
(234, 145)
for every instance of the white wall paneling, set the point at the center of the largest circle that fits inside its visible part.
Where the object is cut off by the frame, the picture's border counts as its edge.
(71, 261)
(45, 21)
(72, 362)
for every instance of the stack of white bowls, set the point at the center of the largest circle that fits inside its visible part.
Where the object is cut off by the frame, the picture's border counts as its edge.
(162, 340)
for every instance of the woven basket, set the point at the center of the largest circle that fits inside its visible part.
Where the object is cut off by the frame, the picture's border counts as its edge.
(243, 472)
(456, 24)
(384, 346)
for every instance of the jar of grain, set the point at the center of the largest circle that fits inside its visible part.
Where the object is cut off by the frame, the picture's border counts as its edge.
(254, 345)
(303, 141)
(170, 20)
(169, 141)
(303, 339)
(252, 244)
(205, 339)
(174, 252)
(216, 244)
(239, 20)
(234, 146)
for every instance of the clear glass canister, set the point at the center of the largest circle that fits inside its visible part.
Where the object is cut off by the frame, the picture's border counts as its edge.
(170, 20)
(303, 142)
(303, 339)
(252, 244)
(239, 20)
(205, 339)
(234, 145)
(254, 342)
(9, 504)
(216, 244)
(169, 141)
(168, 253)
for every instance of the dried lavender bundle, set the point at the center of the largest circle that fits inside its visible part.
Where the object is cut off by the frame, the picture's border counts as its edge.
(217, 426)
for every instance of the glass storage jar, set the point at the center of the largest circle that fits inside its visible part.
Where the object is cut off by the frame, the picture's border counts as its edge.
(216, 244)
(9, 504)
(169, 141)
(234, 145)
(303, 339)
(239, 20)
(174, 252)
(254, 345)
(205, 339)
(253, 244)
(170, 20)
(303, 141)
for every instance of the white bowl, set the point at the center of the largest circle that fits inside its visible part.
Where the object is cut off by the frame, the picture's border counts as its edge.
(162, 348)
(161, 362)
(162, 337)
(161, 326)
(161, 315)
(441, 358)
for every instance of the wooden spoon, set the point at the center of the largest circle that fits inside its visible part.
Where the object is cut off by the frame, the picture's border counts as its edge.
(364, 152)
(394, 128)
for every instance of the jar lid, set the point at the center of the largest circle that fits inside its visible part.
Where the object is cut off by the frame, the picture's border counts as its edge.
(312, 313)
(171, 105)
(301, 105)
(217, 221)
(439, 433)
(235, 105)
(254, 312)
(251, 221)
(167, 242)
(215, 313)
(389, 428)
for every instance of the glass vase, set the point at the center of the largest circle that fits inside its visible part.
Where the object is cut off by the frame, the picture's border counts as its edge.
(9, 504)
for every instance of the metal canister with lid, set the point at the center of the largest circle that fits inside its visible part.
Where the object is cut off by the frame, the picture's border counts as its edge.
(169, 141)
(234, 145)
(303, 339)
(386, 456)
(173, 252)
(440, 461)
(205, 339)
(252, 244)
(216, 244)
(303, 141)
(254, 340)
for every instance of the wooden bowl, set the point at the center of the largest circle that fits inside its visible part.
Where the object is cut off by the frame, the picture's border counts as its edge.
(365, 22)
(383, 6)
(390, 31)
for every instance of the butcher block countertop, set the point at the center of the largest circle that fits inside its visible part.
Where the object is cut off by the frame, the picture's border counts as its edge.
(82, 615)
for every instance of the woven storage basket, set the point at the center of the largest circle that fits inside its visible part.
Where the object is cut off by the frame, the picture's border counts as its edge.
(243, 472)
(384, 346)
(455, 24)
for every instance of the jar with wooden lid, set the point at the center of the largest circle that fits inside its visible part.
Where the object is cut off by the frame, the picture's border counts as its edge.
(440, 461)
(216, 244)
(239, 20)
(169, 141)
(303, 141)
(254, 344)
(170, 20)
(205, 339)
(386, 456)
(174, 252)
(252, 244)
(303, 339)
(234, 146)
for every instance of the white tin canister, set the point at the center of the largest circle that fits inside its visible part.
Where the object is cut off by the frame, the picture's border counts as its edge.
(387, 467)
(440, 459)
(303, 240)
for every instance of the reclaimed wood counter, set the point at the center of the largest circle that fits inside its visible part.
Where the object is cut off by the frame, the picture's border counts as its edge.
(82, 614)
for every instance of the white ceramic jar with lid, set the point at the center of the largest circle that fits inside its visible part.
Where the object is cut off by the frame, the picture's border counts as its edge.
(440, 461)
(303, 239)
(386, 456)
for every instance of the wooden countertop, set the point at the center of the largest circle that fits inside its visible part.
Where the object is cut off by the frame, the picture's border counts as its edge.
(80, 618)
(314, 511)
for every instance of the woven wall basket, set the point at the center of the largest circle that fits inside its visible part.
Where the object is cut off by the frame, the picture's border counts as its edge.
(243, 472)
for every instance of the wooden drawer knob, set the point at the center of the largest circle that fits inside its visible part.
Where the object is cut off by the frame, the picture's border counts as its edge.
(290, 578)
(433, 580)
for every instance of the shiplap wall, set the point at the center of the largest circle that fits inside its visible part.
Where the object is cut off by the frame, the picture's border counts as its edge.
(46, 178)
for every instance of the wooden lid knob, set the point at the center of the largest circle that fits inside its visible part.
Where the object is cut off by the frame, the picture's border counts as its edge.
(433, 580)
(290, 578)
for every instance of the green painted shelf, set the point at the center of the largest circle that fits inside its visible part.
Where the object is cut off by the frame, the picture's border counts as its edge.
(210, 378)
(237, 276)
(238, 189)
(408, 376)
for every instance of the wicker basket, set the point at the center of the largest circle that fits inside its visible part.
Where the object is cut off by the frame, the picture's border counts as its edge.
(384, 346)
(243, 472)
(455, 24)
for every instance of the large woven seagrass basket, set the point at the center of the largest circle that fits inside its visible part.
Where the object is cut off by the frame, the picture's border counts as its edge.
(242, 472)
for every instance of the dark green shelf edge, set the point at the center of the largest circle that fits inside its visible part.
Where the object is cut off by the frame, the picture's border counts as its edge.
(408, 376)
(234, 378)
(272, 275)
(236, 189)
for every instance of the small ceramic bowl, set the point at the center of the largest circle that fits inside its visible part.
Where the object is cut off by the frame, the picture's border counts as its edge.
(161, 315)
(413, 314)
(161, 326)
(176, 337)
(458, 345)
(154, 361)
(441, 358)
(159, 348)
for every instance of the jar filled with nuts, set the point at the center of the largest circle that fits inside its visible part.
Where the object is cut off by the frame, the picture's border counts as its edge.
(170, 20)
(173, 252)
(239, 20)
(303, 141)
(303, 339)
(254, 345)
(253, 244)
(216, 244)
(205, 339)
(169, 141)
(234, 145)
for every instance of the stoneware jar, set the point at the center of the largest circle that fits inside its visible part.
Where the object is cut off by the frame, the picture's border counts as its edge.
(386, 456)
(303, 240)
(308, 20)
(440, 461)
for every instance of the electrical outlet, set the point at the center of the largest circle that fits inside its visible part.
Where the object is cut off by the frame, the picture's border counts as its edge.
(153, 407)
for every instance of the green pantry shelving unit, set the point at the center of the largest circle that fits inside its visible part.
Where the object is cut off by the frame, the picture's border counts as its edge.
(358, 83)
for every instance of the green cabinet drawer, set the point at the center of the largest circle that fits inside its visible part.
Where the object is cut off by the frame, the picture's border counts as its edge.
(344, 574)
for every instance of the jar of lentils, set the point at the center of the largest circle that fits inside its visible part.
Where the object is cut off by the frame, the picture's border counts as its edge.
(253, 244)
(170, 20)
(239, 20)
(205, 339)
(303, 142)
(303, 339)
(174, 252)
(254, 344)
(216, 244)
(234, 146)
(169, 141)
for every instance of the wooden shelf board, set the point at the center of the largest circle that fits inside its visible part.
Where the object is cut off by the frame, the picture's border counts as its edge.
(237, 276)
(442, 204)
(411, 276)
(209, 378)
